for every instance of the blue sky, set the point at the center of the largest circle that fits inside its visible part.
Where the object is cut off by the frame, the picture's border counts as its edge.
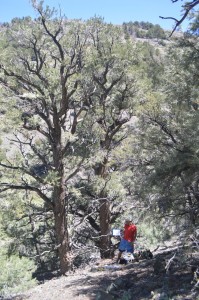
(113, 11)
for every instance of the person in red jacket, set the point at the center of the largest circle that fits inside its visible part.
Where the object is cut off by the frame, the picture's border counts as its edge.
(129, 237)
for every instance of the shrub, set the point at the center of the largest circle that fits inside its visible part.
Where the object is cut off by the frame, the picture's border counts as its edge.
(15, 275)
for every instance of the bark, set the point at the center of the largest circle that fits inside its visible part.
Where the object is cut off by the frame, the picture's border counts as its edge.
(61, 228)
(59, 198)
(102, 170)
(105, 229)
(191, 209)
(104, 215)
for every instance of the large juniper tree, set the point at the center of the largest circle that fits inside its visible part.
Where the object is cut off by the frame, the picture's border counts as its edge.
(71, 85)
(41, 69)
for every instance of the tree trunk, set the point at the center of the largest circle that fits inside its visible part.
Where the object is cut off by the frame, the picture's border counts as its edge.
(59, 200)
(104, 215)
(61, 228)
(105, 242)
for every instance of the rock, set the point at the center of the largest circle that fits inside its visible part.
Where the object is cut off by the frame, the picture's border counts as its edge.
(159, 266)
(120, 282)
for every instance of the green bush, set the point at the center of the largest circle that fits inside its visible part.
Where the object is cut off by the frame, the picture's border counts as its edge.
(152, 235)
(15, 275)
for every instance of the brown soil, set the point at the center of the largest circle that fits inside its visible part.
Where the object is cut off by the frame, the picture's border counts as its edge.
(146, 279)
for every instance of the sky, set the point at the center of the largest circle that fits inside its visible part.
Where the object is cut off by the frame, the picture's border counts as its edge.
(112, 11)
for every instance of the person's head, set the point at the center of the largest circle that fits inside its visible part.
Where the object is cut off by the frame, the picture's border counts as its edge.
(128, 222)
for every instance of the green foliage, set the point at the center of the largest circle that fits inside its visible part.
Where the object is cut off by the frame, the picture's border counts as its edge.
(16, 274)
(108, 117)
(144, 30)
(194, 23)
(152, 234)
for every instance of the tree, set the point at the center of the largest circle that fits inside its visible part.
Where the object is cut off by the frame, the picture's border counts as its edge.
(42, 71)
(71, 83)
(169, 155)
(117, 92)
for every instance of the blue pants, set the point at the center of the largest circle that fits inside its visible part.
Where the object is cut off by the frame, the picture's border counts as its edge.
(126, 246)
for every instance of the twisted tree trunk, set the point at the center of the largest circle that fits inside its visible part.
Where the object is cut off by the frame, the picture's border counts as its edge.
(105, 229)
(61, 231)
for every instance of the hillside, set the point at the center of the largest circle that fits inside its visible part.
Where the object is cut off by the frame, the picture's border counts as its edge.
(165, 276)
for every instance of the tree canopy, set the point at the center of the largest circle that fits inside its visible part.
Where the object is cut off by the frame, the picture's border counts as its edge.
(97, 125)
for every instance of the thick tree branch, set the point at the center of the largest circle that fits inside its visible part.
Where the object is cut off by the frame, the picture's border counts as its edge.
(23, 170)
(7, 186)
(21, 79)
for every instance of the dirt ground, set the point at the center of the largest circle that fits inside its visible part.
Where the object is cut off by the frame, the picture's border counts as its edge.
(146, 279)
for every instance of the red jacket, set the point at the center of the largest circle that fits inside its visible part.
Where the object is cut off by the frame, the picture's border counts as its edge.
(130, 232)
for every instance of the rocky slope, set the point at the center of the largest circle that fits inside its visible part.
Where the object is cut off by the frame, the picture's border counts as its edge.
(170, 275)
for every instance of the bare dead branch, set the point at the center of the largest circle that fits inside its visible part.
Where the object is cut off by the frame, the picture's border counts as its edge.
(170, 261)
(188, 6)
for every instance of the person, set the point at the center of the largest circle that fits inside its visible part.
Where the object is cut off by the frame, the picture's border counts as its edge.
(128, 239)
